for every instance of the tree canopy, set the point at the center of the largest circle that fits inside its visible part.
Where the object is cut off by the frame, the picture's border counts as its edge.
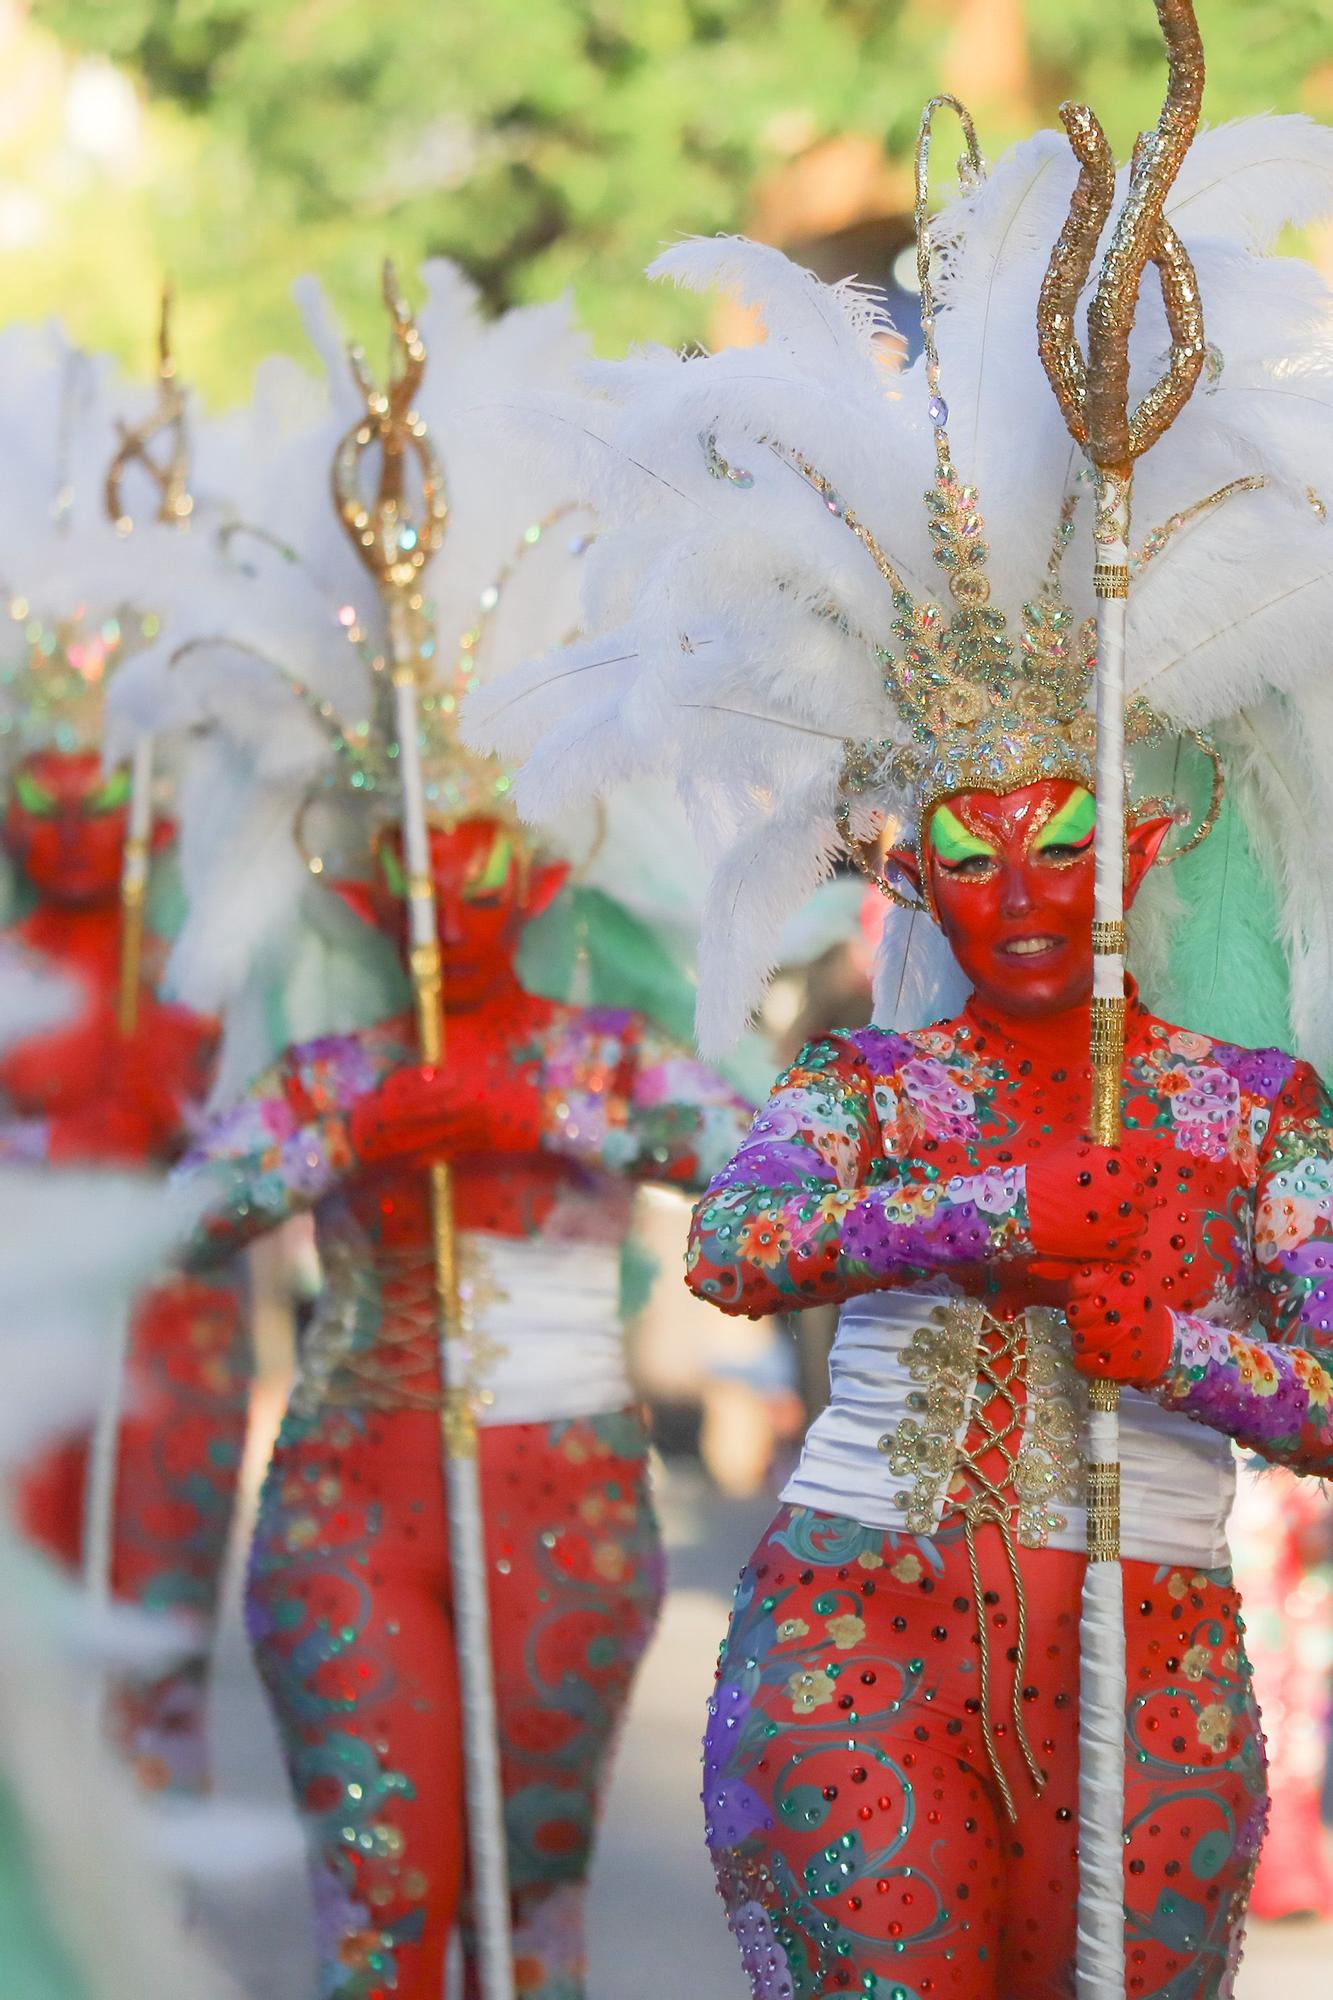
(545, 143)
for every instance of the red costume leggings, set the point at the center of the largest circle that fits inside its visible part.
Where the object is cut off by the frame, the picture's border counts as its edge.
(186, 1397)
(860, 1835)
(351, 1619)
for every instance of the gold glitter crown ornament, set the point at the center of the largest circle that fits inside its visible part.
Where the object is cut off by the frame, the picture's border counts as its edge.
(391, 506)
(53, 684)
(396, 534)
(779, 626)
(987, 708)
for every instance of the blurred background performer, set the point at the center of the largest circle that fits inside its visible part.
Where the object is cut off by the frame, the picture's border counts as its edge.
(87, 1907)
(890, 1768)
(1282, 1534)
(549, 1110)
(81, 596)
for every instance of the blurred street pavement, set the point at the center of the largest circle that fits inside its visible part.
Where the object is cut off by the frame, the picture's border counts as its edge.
(656, 1926)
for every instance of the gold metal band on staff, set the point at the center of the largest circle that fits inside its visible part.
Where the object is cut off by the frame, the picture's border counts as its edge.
(133, 902)
(1104, 1513)
(1110, 579)
(1108, 1055)
(1109, 936)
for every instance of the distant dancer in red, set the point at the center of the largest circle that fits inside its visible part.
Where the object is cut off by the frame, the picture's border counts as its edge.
(83, 1094)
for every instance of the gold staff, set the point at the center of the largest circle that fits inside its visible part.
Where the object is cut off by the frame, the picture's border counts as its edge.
(168, 474)
(396, 537)
(1093, 395)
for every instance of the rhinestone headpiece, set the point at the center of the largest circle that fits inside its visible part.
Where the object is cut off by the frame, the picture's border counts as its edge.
(988, 708)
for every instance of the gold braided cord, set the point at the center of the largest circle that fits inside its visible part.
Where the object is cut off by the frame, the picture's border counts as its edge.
(1000, 1347)
(971, 165)
(399, 1290)
(1154, 543)
(869, 855)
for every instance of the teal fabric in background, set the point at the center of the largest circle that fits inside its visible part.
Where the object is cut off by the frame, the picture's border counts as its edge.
(1227, 972)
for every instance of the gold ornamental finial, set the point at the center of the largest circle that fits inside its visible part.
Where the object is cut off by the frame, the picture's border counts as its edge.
(168, 421)
(394, 536)
(1094, 394)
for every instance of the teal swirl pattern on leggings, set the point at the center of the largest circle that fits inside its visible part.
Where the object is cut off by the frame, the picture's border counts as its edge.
(862, 1844)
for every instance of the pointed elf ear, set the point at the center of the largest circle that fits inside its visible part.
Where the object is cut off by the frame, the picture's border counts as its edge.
(902, 861)
(360, 898)
(1143, 844)
(546, 881)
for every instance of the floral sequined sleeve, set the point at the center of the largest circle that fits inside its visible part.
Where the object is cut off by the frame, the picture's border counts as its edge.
(815, 1208)
(283, 1146)
(622, 1095)
(1274, 1395)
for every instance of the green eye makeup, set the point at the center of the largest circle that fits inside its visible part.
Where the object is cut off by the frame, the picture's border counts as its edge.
(33, 798)
(952, 842)
(393, 872)
(1071, 826)
(496, 872)
(112, 795)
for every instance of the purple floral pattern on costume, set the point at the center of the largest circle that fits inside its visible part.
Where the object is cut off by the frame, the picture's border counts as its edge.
(1276, 1400)
(1259, 1072)
(618, 1098)
(946, 1108)
(1205, 1108)
(889, 1159)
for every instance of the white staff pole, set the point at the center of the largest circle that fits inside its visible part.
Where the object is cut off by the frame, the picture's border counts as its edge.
(170, 476)
(1094, 398)
(396, 547)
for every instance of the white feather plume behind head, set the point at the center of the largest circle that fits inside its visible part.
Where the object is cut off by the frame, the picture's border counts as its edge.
(273, 642)
(78, 594)
(733, 621)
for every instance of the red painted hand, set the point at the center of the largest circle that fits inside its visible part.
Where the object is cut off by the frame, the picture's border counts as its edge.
(1089, 1201)
(1120, 1329)
(437, 1112)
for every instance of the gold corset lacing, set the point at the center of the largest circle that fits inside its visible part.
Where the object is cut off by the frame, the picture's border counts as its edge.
(1001, 1390)
(376, 1339)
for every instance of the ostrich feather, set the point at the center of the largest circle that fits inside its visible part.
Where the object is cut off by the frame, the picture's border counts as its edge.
(915, 979)
(1253, 178)
(731, 624)
(259, 638)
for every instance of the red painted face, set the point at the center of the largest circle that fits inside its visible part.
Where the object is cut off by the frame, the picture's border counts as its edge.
(65, 825)
(1011, 877)
(486, 890)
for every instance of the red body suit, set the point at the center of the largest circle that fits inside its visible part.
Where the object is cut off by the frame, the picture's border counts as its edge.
(82, 1094)
(891, 1759)
(349, 1602)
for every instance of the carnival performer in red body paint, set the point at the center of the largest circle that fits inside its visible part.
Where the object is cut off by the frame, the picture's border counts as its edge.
(548, 1113)
(85, 1094)
(80, 595)
(548, 1110)
(891, 1763)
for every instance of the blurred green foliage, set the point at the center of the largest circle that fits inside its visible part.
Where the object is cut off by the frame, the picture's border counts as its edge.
(548, 143)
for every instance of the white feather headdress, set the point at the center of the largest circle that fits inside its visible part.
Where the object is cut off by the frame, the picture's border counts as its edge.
(742, 638)
(276, 661)
(78, 594)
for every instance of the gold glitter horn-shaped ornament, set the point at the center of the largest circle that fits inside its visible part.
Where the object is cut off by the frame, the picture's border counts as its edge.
(160, 448)
(396, 533)
(1093, 393)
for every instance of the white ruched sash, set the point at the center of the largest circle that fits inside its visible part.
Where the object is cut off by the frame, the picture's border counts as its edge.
(1177, 1482)
(553, 1310)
